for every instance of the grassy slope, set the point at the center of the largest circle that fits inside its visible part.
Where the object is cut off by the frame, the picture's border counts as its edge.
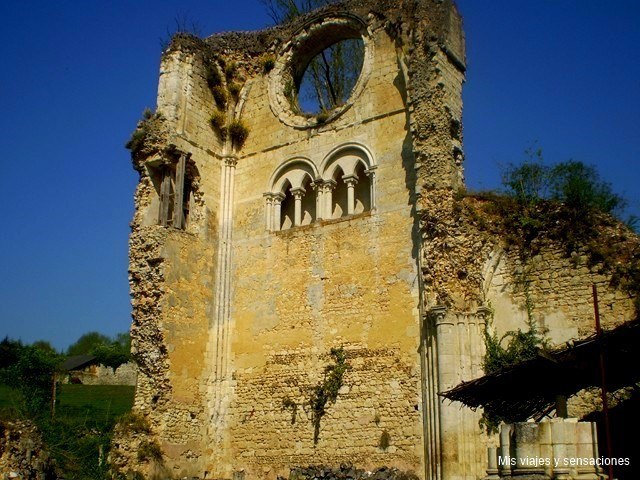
(104, 401)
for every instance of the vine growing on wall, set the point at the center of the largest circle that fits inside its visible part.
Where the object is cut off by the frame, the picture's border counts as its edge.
(513, 347)
(322, 394)
(327, 390)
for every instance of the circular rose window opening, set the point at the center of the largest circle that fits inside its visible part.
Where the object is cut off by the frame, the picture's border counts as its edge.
(329, 78)
(321, 71)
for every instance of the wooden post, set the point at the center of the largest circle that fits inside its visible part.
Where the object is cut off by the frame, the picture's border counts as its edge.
(605, 403)
(54, 389)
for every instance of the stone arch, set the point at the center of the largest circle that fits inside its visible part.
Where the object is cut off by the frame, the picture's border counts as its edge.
(293, 170)
(340, 194)
(350, 166)
(291, 198)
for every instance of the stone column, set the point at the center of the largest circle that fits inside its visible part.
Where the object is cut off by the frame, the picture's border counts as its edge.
(276, 202)
(483, 315)
(527, 449)
(298, 193)
(329, 185)
(221, 383)
(492, 462)
(318, 186)
(269, 211)
(585, 448)
(504, 459)
(562, 433)
(351, 181)
(431, 400)
(371, 173)
(448, 364)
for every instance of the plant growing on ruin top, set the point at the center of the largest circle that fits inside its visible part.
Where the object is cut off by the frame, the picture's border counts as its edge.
(268, 62)
(148, 134)
(567, 203)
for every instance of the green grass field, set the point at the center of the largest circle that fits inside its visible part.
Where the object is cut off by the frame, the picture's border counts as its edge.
(101, 402)
(9, 402)
(105, 401)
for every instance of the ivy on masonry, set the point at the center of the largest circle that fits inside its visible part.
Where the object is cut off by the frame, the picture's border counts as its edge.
(326, 391)
(503, 352)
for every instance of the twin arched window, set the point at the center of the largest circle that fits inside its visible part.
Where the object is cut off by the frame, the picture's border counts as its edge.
(300, 193)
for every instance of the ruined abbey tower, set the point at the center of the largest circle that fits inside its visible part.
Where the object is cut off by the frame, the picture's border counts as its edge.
(268, 246)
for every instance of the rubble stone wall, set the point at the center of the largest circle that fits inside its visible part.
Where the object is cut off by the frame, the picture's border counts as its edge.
(22, 454)
(125, 374)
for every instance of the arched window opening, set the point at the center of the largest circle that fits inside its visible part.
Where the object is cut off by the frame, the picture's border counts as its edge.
(329, 77)
(362, 190)
(288, 208)
(340, 199)
(173, 183)
(308, 203)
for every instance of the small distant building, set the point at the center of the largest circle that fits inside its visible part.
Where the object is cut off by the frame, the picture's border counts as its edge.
(85, 369)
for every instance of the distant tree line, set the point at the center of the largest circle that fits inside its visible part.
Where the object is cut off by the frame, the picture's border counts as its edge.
(30, 368)
(77, 437)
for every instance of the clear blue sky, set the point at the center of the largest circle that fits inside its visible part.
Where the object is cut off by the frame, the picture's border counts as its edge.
(76, 76)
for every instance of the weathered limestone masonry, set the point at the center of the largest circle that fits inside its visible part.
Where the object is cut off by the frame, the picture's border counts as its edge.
(251, 260)
(22, 454)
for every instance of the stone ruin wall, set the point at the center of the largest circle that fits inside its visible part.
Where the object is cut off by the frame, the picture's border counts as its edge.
(174, 280)
(231, 319)
(125, 374)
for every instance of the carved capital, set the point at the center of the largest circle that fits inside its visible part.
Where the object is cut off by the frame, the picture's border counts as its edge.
(329, 185)
(298, 192)
(350, 180)
(437, 314)
(269, 197)
(230, 160)
(484, 313)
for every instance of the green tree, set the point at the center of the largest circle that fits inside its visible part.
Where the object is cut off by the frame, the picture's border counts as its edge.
(112, 355)
(10, 351)
(87, 343)
(45, 346)
(579, 186)
(572, 183)
(32, 375)
(108, 351)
